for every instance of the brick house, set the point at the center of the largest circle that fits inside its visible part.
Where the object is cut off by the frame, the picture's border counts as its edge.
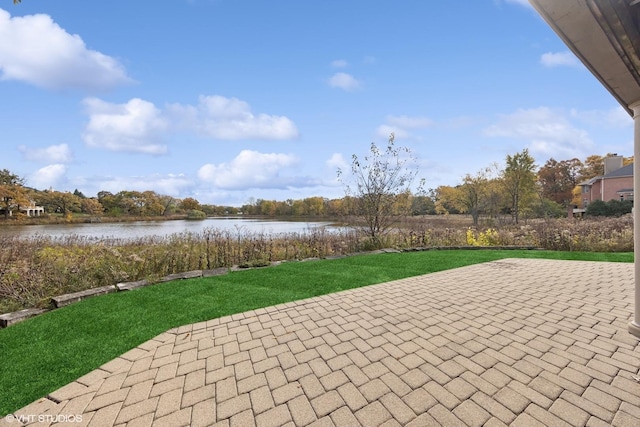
(616, 183)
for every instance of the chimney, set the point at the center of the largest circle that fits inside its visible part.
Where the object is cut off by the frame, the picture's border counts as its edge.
(612, 163)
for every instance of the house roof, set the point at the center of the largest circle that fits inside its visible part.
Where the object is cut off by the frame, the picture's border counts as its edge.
(590, 181)
(623, 171)
(618, 173)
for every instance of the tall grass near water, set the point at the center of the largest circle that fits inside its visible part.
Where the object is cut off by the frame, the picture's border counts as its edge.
(35, 269)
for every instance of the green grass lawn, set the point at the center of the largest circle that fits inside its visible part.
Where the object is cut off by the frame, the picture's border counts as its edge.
(44, 353)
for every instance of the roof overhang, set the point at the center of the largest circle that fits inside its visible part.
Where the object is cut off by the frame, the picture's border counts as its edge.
(605, 36)
(590, 181)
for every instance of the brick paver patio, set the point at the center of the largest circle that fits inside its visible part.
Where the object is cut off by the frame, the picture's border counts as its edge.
(513, 342)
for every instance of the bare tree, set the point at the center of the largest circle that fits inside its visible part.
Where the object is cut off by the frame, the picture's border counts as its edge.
(382, 186)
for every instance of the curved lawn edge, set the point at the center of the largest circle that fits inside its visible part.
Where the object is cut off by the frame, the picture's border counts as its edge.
(64, 344)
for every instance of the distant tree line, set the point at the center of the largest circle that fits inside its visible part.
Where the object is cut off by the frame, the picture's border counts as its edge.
(15, 196)
(512, 192)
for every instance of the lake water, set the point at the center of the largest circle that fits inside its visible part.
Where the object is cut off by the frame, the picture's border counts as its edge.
(137, 229)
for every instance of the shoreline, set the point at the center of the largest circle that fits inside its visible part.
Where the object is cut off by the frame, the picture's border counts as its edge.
(85, 219)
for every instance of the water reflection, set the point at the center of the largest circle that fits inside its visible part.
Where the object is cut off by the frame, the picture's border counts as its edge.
(137, 229)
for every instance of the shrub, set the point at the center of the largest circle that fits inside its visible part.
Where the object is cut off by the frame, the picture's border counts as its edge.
(489, 237)
(597, 208)
(610, 208)
(549, 209)
(196, 214)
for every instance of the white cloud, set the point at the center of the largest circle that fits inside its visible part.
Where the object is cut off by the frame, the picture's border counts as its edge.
(559, 59)
(401, 126)
(344, 81)
(231, 119)
(524, 3)
(337, 161)
(409, 122)
(384, 131)
(139, 126)
(339, 63)
(53, 154)
(548, 132)
(136, 126)
(171, 184)
(34, 49)
(252, 169)
(47, 177)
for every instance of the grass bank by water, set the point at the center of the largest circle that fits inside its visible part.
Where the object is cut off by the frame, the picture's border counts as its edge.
(49, 351)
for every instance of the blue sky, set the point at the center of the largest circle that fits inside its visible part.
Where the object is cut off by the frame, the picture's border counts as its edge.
(227, 100)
